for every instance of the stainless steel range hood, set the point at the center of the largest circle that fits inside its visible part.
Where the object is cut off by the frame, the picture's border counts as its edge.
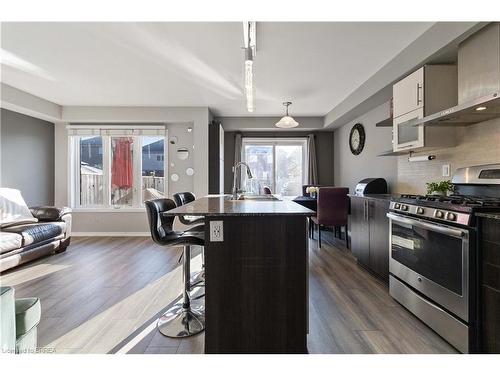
(488, 174)
(465, 114)
(469, 113)
(478, 82)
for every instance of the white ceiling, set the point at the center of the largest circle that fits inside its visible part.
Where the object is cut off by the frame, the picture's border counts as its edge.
(315, 65)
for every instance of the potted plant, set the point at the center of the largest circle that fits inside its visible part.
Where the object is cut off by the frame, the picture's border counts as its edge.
(439, 188)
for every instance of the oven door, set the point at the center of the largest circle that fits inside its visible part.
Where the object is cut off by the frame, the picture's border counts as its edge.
(433, 259)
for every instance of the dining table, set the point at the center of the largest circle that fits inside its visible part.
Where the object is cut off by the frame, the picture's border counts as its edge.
(307, 201)
(311, 203)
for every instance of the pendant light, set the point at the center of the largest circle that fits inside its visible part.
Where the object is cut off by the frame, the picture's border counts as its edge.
(249, 89)
(249, 38)
(287, 121)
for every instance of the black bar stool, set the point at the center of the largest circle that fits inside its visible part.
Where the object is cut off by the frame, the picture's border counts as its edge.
(180, 200)
(185, 198)
(186, 318)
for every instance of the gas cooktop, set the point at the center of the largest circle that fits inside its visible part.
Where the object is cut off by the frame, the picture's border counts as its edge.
(457, 209)
(458, 202)
(477, 189)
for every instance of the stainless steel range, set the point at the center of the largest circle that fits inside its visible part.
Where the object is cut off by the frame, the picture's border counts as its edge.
(434, 254)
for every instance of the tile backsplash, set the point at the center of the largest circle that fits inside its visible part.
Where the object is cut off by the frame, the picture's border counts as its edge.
(476, 144)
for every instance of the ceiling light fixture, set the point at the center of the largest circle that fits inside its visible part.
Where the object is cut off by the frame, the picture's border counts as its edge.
(250, 34)
(249, 89)
(249, 38)
(287, 121)
(480, 108)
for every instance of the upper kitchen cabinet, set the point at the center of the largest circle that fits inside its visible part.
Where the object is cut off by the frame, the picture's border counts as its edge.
(427, 90)
(408, 93)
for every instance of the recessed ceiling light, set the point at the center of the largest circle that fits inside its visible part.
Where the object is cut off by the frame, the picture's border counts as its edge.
(480, 108)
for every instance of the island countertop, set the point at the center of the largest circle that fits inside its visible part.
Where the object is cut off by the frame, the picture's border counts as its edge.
(223, 205)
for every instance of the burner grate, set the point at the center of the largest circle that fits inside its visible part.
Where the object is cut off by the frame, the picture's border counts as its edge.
(462, 200)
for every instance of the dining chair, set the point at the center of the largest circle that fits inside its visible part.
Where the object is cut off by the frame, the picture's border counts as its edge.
(333, 210)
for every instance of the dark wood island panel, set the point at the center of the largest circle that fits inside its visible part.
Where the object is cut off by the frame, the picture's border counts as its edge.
(256, 275)
(256, 286)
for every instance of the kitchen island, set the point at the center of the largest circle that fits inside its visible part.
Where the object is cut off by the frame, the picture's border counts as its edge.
(256, 270)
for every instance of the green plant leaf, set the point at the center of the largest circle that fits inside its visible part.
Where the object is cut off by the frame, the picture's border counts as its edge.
(440, 187)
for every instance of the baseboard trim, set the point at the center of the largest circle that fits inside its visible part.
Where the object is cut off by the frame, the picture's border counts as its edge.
(110, 234)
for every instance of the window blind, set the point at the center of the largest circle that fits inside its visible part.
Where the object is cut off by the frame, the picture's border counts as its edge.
(116, 130)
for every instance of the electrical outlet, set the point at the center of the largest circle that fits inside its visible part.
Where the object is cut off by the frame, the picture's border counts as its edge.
(216, 231)
(446, 170)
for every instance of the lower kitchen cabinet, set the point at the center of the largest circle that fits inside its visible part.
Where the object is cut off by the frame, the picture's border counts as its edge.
(379, 237)
(370, 234)
(490, 285)
(360, 236)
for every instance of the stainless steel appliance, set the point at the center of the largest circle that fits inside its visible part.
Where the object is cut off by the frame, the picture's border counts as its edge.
(433, 253)
(371, 186)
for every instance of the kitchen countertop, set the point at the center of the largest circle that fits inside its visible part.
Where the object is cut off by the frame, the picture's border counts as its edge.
(385, 197)
(489, 215)
(222, 205)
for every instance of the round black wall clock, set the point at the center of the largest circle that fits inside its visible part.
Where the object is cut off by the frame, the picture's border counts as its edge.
(357, 139)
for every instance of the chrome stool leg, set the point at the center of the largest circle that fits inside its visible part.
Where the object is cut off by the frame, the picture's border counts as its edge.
(198, 278)
(186, 318)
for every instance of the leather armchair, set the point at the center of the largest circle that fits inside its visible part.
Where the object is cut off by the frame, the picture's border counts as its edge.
(50, 213)
(25, 242)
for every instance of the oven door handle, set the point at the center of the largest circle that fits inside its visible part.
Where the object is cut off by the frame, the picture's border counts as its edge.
(434, 227)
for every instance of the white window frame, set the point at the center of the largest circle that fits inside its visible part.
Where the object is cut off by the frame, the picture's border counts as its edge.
(278, 141)
(74, 183)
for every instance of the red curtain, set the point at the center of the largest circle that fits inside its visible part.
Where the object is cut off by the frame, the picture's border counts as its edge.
(121, 170)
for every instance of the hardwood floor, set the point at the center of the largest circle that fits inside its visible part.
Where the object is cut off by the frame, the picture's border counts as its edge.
(104, 294)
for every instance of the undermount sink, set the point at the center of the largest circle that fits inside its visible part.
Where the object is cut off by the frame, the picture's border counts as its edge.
(256, 198)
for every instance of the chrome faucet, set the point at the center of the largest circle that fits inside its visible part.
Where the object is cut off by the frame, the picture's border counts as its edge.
(235, 168)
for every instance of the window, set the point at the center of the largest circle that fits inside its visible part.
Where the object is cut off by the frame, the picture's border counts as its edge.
(120, 170)
(153, 167)
(91, 166)
(278, 163)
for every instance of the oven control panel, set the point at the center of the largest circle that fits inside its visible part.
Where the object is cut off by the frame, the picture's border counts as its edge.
(432, 213)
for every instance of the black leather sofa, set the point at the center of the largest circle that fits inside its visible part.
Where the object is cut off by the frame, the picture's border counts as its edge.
(25, 242)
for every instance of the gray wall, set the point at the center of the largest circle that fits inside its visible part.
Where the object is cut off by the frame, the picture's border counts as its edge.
(324, 153)
(350, 169)
(176, 165)
(28, 157)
